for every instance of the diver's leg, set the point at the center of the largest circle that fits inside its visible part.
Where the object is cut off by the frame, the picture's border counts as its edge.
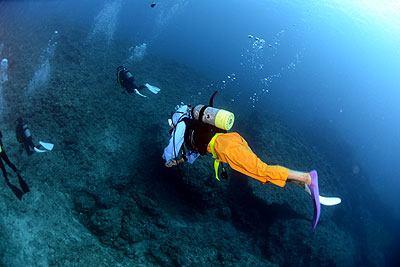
(21, 148)
(297, 177)
(3, 169)
(30, 142)
(234, 150)
(301, 184)
(9, 163)
(22, 183)
(27, 148)
(18, 193)
(26, 145)
(141, 87)
(31, 145)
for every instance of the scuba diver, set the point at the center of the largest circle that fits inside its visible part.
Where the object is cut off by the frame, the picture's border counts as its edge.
(204, 129)
(3, 156)
(24, 137)
(125, 80)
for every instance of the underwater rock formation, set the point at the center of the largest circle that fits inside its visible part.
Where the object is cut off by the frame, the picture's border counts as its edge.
(103, 197)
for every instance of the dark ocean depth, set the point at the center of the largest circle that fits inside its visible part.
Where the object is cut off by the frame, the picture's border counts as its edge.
(312, 84)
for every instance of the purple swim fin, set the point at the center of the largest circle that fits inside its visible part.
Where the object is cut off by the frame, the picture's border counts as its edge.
(315, 197)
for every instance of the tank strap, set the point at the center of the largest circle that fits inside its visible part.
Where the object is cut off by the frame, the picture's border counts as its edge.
(216, 161)
(201, 112)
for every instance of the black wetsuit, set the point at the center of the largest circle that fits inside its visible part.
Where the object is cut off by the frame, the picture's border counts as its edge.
(16, 190)
(24, 137)
(125, 80)
(4, 157)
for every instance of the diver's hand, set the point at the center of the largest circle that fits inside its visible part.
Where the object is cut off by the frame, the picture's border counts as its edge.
(174, 162)
(171, 163)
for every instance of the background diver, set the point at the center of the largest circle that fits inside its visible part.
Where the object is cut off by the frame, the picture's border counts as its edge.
(24, 137)
(203, 129)
(3, 157)
(125, 80)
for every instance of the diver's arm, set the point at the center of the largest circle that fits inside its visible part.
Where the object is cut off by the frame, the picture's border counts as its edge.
(174, 162)
(189, 157)
(177, 138)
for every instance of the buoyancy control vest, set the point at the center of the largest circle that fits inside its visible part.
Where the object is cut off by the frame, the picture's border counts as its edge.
(27, 132)
(199, 134)
(23, 132)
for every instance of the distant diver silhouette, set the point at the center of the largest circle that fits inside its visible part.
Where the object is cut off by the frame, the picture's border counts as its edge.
(125, 80)
(24, 137)
(3, 157)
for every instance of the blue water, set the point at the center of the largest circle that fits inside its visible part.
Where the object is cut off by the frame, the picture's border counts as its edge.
(328, 69)
(345, 78)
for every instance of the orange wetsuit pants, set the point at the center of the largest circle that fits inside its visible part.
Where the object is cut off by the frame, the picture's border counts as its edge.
(231, 148)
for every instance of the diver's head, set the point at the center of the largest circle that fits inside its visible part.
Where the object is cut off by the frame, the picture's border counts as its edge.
(19, 121)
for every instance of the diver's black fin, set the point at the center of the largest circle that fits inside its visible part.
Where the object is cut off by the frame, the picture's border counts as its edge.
(16, 191)
(23, 185)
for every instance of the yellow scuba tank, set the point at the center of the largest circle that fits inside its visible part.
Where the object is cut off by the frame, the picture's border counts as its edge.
(217, 117)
